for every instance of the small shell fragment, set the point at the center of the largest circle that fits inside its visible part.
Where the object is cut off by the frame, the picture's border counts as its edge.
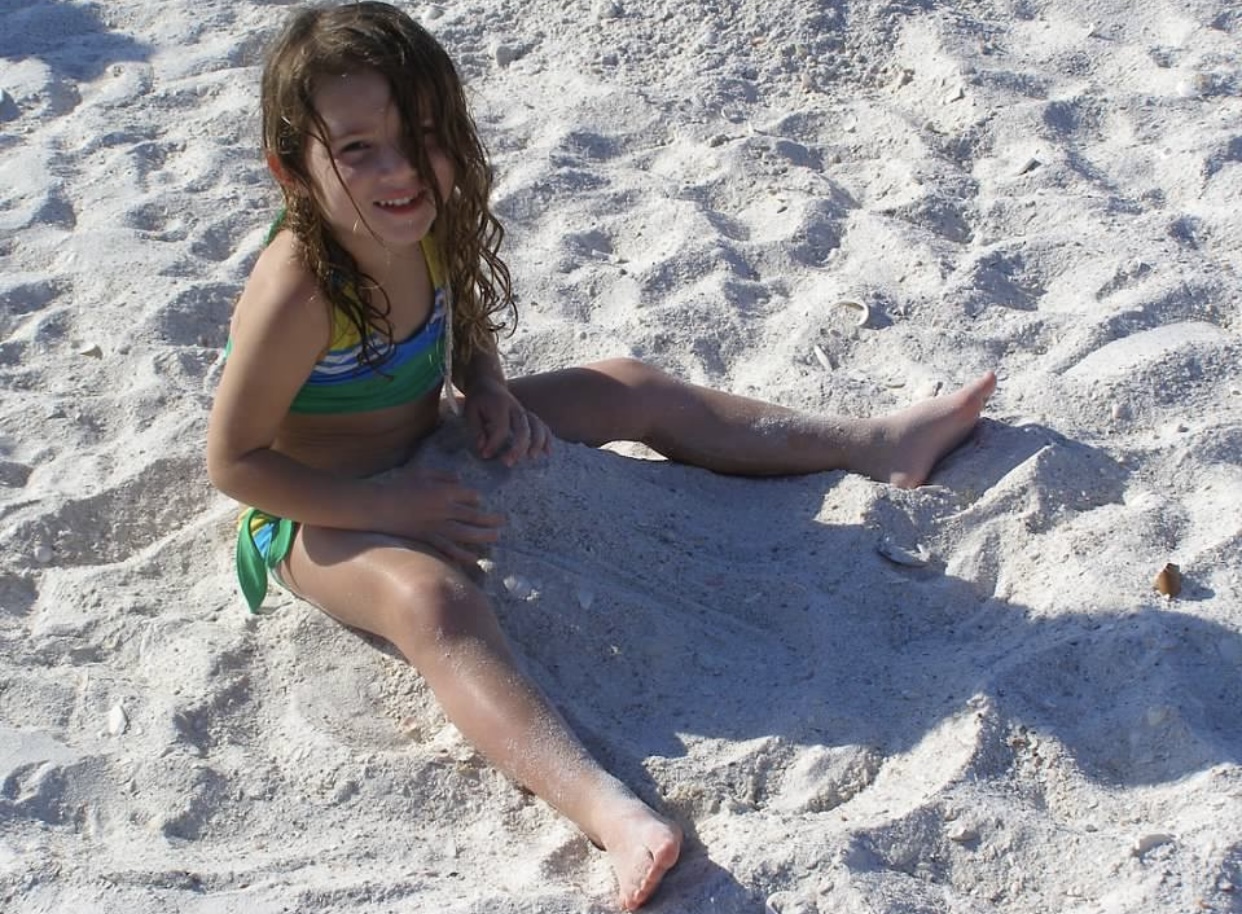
(586, 597)
(1150, 841)
(519, 587)
(506, 54)
(863, 312)
(91, 350)
(1168, 581)
(411, 727)
(822, 357)
(963, 834)
(118, 721)
(917, 557)
(43, 554)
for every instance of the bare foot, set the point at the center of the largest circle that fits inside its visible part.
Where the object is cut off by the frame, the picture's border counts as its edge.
(916, 438)
(643, 847)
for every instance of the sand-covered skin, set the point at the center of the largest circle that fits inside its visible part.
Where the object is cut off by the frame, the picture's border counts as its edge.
(1011, 721)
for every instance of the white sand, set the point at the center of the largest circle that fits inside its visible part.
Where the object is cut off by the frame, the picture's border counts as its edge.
(1048, 188)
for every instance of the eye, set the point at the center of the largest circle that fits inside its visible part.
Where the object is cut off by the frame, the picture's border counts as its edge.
(354, 147)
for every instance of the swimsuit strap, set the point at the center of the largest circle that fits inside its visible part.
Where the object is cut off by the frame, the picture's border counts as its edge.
(274, 229)
(435, 266)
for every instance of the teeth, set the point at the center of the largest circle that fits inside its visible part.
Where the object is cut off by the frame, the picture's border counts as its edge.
(404, 201)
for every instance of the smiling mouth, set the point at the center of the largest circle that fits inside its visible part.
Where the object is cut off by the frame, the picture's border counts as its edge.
(401, 203)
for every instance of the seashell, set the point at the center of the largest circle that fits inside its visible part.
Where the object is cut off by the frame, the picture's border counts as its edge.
(43, 554)
(586, 597)
(608, 9)
(822, 357)
(411, 726)
(506, 54)
(917, 557)
(1168, 581)
(1155, 716)
(1150, 841)
(519, 586)
(963, 834)
(118, 721)
(91, 350)
(863, 312)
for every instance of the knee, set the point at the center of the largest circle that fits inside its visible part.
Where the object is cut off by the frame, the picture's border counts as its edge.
(425, 612)
(635, 374)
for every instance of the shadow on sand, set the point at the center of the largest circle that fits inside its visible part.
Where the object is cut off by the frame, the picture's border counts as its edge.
(73, 40)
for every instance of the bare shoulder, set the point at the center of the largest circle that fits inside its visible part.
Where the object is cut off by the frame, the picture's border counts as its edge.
(280, 327)
(281, 295)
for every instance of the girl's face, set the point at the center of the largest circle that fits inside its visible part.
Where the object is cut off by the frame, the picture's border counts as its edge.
(375, 178)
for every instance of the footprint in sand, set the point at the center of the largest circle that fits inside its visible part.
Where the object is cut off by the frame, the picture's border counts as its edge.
(34, 196)
(220, 240)
(18, 594)
(28, 315)
(25, 296)
(156, 221)
(197, 315)
(13, 475)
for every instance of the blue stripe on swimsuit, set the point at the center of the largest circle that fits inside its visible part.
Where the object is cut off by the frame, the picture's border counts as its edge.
(342, 383)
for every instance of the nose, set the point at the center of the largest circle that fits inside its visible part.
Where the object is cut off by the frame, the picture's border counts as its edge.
(395, 162)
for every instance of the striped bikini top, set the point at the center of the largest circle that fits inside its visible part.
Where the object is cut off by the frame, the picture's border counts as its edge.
(405, 371)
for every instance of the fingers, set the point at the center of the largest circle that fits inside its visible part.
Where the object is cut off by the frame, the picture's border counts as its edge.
(494, 440)
(504, 428)
(540, 437)
(518, 444)
(438, 475)
(476, 526)
(457, 538)
(528, 438)
(469, 534)
(453, 552)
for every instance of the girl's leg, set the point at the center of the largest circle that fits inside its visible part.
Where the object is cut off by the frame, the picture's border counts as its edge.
(627, 400)
(445, 627)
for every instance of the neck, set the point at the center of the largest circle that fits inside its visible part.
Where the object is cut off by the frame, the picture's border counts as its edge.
(386, 264)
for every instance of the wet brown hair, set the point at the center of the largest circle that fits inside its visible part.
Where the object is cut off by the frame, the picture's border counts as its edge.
(425, 87)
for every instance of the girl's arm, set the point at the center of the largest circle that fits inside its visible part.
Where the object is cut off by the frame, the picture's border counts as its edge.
(483, 366)
(278, 331)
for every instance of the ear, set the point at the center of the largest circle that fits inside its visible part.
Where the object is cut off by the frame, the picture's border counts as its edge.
(278, 171)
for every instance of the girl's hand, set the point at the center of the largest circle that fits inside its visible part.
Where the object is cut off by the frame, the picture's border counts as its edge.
(503, 427)
(433, 507)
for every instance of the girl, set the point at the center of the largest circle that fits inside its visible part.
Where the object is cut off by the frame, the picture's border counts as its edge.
(381, 283)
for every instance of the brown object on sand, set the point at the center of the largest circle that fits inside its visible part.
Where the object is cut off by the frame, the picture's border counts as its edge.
(1169, 580)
